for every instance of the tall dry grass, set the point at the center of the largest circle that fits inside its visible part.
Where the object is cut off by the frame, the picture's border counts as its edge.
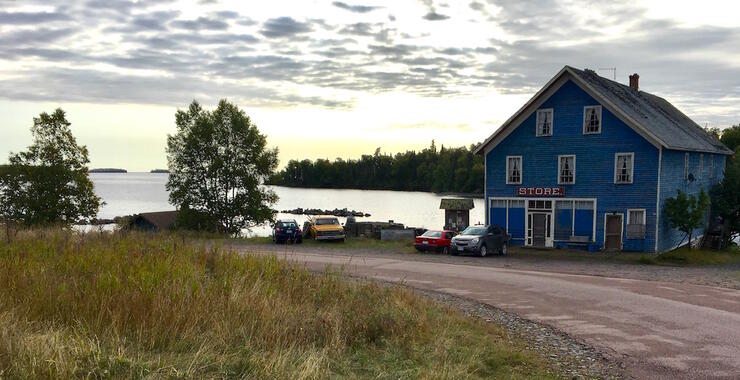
(157, 306)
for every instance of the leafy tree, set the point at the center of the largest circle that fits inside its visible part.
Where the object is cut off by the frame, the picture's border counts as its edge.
(726, 197)
(218, 163)
(687, 213)
(731, 137)
(48, 184)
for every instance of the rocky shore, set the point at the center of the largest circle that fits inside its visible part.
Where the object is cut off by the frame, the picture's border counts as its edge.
(317, 211)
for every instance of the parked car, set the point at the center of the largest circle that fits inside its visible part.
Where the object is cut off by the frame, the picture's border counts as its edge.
(481, 240)
(434, 240)
(286, 230)
(324, 228)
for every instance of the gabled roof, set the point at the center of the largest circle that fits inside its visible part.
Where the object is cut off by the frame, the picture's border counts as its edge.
(162, 220)
(651, 116)
(456, 204)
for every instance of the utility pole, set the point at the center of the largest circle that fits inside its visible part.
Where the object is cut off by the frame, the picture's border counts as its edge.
(612, 69)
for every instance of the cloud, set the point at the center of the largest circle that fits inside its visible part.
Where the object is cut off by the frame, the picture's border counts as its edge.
(284, 27)
(201, 23)
(31, 18)
(434, 16)
(355, 8)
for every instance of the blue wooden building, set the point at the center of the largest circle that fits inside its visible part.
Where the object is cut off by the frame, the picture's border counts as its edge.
(589, 161)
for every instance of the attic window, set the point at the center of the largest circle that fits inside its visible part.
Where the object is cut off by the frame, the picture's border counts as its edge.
(544, 122)
(591, 120)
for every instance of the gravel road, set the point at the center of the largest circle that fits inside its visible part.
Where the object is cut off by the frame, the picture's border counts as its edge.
(656, 322)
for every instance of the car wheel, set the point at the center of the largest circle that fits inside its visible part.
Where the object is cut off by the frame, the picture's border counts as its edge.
(446, 250)
(483, 251)
(453, 252)
(503, 250)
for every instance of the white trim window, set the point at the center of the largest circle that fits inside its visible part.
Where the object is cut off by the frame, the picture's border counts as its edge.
(686, 167)
(701, 166)
(636, 223)
(544, 122)
(566, 169)
(591, 120)
(513, 170)
(624, 165)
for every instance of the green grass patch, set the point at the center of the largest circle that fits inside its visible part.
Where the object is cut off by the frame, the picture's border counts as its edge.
(158, 306)
(685, 256)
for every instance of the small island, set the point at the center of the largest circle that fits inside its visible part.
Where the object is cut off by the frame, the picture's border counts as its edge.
(160, 171)
(108, 170)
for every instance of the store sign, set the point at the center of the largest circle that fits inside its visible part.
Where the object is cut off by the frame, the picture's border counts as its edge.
(540, 192)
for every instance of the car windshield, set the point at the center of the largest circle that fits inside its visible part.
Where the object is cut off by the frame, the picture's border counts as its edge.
(432, 234)
(287, 225)
(478, 231)
(326, 221)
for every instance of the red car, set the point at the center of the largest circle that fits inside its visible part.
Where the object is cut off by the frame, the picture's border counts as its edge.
(434, 240)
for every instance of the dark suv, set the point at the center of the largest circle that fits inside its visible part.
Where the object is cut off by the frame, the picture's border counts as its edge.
(286, 230)
(480, 240)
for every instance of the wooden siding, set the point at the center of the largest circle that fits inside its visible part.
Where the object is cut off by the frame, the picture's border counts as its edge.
(595, 154)
(672, 179)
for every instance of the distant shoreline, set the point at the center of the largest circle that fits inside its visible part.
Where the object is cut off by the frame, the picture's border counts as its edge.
(442, 194)
(107, 170)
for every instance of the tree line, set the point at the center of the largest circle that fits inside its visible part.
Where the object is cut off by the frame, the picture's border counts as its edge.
(440, 170)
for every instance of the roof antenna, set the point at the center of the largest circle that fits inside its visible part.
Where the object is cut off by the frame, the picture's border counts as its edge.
(612, 69)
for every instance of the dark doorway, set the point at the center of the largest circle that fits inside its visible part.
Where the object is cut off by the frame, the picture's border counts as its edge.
(539, 230)
(613, 232)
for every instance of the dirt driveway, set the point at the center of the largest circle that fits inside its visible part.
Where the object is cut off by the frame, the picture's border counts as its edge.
(659, 329)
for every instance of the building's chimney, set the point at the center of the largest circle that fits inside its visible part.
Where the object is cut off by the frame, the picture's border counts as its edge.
(635, 82)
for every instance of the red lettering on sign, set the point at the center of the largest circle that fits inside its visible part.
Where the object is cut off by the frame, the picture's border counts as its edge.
(540, 192)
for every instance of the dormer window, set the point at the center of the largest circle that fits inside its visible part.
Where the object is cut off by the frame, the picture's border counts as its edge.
(591, 120)
(544, 122)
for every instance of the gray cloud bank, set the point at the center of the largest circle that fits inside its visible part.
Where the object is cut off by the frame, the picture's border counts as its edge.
(136, 52)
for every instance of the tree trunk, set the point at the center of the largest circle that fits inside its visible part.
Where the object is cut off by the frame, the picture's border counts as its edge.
(690, 231)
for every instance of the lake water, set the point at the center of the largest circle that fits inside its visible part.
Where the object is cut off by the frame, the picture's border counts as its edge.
(131, 193)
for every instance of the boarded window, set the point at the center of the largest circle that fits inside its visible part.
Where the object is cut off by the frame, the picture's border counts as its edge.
(563, 220)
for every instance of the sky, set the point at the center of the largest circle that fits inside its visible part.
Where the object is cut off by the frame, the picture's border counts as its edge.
(329, 79)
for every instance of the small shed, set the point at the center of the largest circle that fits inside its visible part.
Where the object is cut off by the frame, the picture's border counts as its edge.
(153, 221)
(457, 212)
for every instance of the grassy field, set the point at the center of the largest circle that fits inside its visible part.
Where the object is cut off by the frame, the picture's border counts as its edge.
(156, 306)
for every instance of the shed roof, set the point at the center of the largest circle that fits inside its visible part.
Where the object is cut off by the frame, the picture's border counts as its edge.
(652, 116)
(456, 204)
(162, 220)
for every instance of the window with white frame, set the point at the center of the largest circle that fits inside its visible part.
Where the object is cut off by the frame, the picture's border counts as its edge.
(544, 122)
(701, 165)
(514, 170)
(636, 224)
(686, 167)
(623, 167)
(566, 169)
(711, 166)
(591, 119)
